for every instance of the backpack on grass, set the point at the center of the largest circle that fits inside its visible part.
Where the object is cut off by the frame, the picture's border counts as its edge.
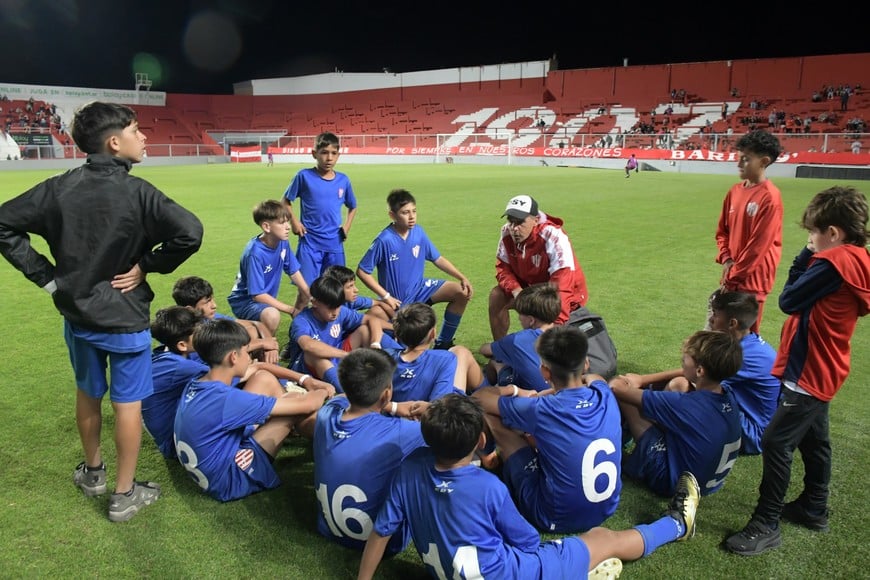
(602, 351)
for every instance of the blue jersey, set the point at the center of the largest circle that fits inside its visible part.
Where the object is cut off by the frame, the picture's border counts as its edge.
(755, 390)
(354, 462)
(171, 372)
(465, 525)
(361, 303)
(211, 427)
(260, 269)
(400, 262)
(701, 430)
(430, 376)
(517, 350)
(320, 202)
(578, 433)
(331, 332)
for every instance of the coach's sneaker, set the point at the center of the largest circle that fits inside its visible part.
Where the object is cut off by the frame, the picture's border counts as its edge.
(91, 480)
(796, 513)
(684, 505)
(609, 569)
(124, 506)
(755, 538)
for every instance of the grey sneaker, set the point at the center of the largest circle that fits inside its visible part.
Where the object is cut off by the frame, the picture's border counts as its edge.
(91, 481)
(124, 506)
(684, 505)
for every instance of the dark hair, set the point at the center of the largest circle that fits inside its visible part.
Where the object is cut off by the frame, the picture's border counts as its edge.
(364, 374)
(94, 122)
(399, 198)
(214, 339)
(741, 306)
(842, 207)
(174, 324)
(760, 142)
(541, 301)
(720, 353)
(325, 140)
(341, 273)
(189, 290)
(328, 291)
(452, 425)
(269, 210)
(412, 323)
(563, 350)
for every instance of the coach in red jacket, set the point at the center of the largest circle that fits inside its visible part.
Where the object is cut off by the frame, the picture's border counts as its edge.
(533, 249)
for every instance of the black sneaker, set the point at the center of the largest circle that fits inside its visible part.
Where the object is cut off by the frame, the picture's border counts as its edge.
(684, 505)
(92, 481)
(796, 513)
(755, 538)
(443, 345)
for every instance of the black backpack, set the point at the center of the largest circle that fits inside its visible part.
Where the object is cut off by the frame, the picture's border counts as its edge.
(602, 351)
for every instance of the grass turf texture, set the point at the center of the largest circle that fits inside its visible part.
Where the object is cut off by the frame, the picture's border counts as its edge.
(647, 247)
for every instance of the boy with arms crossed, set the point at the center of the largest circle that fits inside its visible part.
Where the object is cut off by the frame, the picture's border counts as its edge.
(400, 253)
(322, 191)
(357, 449)
(827, 290)
(571, 481)
(698, 431)
(97, 282)
(465, 525)
(227, 438)
(255, 293)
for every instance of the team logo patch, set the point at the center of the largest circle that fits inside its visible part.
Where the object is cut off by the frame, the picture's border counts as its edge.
(394, 257)
(444, 487)
(751, 209)
(531, 465)
(407, 374)
(335, 330)
(268, 269)
(416, 251)
(283, 254)
(340, 192)
(244, 458)
(536, 260)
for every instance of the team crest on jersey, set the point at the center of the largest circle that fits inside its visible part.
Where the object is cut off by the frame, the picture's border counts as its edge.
(536, 260)
(751, 209)
(340, 192)
(444, 487)
(244, 458)
(407, 374)
(394, 257)
(416, 251)
(283, 254)
(335, 330)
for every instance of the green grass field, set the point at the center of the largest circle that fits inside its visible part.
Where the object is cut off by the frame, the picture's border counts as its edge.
(647, 247)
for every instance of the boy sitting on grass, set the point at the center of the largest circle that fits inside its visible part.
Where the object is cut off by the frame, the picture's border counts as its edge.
(227, 438)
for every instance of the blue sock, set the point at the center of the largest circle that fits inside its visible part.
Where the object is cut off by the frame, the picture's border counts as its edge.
(448, 329)
(331, 377)
(662, 531)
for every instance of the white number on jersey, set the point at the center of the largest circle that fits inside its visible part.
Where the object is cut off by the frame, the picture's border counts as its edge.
(338, 518)
(189, 460)
(591, 471)
(465, 564)
(729, 456)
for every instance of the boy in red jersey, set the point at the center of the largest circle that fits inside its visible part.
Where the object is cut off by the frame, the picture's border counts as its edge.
(828, 288)
(749, 234)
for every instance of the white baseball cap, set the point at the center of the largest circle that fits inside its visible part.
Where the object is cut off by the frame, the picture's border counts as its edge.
(521, 207)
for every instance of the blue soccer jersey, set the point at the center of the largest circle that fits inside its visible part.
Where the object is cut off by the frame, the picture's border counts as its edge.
(755, 390)
(517, 350)
(320, 202)
(212, 438)
(701, 432)
(331, 332)
(171, 372)
(260, 269)
(400, 262)
(354, 462)
(465, 525)
(430, 376)
(576, 482)
(361, 303)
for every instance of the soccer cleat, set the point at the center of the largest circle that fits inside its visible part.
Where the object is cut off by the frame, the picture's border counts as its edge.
(124, 506)
(684, 505)
(796, 513)
(609, 569)
(754, 539)
(91, 481)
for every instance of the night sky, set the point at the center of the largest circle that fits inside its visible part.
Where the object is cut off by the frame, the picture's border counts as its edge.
(205, 47)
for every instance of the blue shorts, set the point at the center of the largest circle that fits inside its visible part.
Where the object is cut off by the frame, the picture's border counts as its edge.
(649, 462)
(312, 262)
(251, 472)
(562, 558)
(425, 290)
(126, 355)
(522, 473)
(249, 310)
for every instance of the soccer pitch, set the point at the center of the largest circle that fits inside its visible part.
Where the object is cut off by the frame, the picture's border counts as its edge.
(647, 247)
